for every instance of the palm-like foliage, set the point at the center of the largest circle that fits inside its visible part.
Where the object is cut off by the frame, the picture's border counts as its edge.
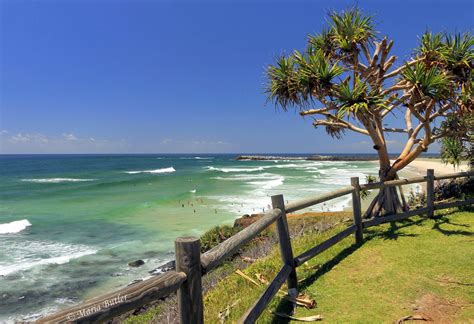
(283, 87)
(322, 42)
(350, 28)
(315, 72)
(429, 81)
(451, 151)
(460, 55)
(432, 48)
(340, 74)
(333, 129)
(453, 53)
(296, 78)
(466, 98)
(356, 99)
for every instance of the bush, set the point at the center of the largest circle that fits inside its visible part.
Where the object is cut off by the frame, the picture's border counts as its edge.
(416, 199)
(456, 188)
(216, 235)
(364, 194)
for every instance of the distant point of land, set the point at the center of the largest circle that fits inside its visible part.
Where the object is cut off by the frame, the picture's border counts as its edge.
(308, 158)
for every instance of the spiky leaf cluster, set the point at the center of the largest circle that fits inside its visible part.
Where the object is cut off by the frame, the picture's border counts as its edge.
(356, 99)
(444, 68)
(428, 81)
(300, 78)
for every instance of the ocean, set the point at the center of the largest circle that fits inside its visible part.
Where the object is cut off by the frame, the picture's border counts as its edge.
(69, 224)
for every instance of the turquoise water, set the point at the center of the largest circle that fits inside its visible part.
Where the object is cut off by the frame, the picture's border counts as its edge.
(70, 224)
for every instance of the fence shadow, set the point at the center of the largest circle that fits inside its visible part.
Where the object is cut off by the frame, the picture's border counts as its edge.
(394, 232)
(286, 307)
(443, 220)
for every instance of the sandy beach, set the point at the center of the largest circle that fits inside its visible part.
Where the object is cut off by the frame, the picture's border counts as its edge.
(421, 164)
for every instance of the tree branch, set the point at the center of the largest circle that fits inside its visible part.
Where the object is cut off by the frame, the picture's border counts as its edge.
(400, 69)
(397, 103)
(340, 123)
(315, 111)
(394, 130)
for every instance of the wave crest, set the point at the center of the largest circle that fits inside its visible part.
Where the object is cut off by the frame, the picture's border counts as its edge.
(227, 170)
(56, 180)
(14, 227)
(31, 254)
(163, 170)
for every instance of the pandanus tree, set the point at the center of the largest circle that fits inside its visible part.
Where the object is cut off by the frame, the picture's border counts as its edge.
(458, 146)
(346, 80)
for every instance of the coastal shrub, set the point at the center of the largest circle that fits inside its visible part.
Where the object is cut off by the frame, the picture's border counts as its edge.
(456, 188)
(217, 235)
(416, 199)
(364, 194)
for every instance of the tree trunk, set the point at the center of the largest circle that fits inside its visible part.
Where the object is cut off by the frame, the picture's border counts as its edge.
(387, 201)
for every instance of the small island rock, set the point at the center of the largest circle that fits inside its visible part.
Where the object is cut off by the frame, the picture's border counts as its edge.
(136, 264)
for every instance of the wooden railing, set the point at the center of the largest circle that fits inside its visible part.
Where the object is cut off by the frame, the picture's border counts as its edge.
(191, 265)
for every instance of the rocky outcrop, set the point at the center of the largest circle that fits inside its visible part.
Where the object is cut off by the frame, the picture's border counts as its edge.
(136, 263)
(168, 266)
(308, 158)
(246, 220)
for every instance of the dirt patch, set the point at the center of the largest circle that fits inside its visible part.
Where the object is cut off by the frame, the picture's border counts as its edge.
(435, 309)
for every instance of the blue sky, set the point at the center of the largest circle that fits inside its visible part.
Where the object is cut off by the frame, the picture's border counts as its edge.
(174, 76)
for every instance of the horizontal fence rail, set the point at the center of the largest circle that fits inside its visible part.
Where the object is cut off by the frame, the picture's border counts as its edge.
(191, 265)
(391, 183)
(308, 202)
(311, 253)
(455, 175)
(219, 253)
(109, 305)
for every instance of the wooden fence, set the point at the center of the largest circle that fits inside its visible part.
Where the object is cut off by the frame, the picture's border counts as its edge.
(191, 264)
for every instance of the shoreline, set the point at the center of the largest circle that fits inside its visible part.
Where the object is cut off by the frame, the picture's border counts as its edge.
(421, 164)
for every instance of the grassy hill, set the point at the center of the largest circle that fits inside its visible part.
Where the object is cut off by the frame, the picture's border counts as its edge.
(413, 267)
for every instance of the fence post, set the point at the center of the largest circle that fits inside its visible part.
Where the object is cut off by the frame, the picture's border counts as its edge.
(285, 244)
(188, 260)
(356, 209)
(430, 192)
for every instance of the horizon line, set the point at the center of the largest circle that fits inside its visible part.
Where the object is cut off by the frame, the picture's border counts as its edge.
(194, 153)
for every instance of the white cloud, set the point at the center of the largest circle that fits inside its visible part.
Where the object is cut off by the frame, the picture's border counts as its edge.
(70, 137)
(27, 138)
(37, 143)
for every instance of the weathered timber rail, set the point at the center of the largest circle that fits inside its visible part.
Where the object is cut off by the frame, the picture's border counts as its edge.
(191, 265)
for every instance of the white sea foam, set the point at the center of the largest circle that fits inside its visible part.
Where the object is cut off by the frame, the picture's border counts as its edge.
(163, 170)
(257, 199)
(30, 254)
(14, 227)
(227, 170)
(268, 184)
(56, 180)
(192, 191)
(246, 177)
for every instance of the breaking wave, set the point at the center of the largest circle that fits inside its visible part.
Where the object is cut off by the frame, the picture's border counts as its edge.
(163, 170)
(227, 170)
(14, 227)
(30, 254)
(56, 180)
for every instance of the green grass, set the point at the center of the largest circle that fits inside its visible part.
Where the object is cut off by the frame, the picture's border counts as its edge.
(399, 266)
